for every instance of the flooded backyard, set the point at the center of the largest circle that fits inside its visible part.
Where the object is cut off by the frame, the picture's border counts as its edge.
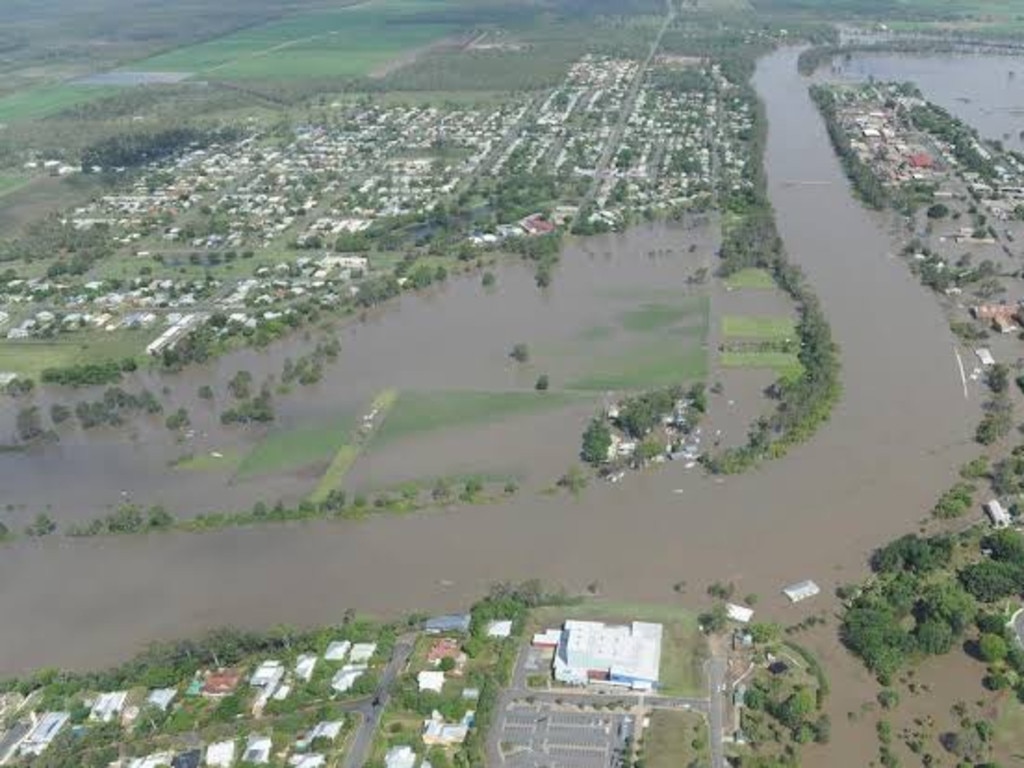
(870, 473)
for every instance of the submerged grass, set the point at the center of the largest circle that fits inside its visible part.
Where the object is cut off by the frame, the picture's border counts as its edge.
(285, 450)
(658, 316)
(417, 413)
(675, 359)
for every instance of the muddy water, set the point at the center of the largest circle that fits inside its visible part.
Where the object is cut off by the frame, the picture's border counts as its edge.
(986, 91)
(868, 475)
(453, 337)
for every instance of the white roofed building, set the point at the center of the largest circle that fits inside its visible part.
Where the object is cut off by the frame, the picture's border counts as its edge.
(625, 655)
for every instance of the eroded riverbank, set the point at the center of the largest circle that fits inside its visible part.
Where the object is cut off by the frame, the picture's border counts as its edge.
(866, 476)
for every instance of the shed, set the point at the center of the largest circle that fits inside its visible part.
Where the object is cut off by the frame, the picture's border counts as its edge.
(739, 613)
(802, 590)
(997, 514)
(985, 356)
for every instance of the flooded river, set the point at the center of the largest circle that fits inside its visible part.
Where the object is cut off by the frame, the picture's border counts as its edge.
(869, 474)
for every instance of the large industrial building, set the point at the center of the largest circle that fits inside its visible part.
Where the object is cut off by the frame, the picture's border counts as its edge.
(625, 655)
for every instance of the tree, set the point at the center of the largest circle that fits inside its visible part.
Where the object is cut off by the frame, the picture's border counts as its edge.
(447, 664)
(992, 648)
(597, 439)
(715, 620)
(542, 383)
(488, 280)
(938, 211)
(41, 526)
(520, 353)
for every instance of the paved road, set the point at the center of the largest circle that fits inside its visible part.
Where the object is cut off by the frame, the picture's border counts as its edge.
(370, 710)
(1017, 622)
(716, 669)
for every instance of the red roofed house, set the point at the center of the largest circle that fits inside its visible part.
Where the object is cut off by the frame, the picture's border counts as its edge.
(536, 224)
(921, 160)
(221, 683)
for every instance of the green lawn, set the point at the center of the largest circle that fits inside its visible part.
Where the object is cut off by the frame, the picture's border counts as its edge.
(417, 413)
(46, 100)
(675, 359)
(670, 740)
(1009, 727)
(284, 450)
(767, 328)
(29, 358)
(750, 278)
(683, 649)
(11, 182)
(341, 42)
(783, 363)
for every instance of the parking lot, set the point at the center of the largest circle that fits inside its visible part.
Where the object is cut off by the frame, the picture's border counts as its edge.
(547, 736)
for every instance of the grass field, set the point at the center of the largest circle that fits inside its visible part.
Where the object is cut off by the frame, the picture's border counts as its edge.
(29, 358)
(46, 100)
(750, 278)
(784, 364)
(418, 413)
(343, 42)
(1009, 727)
(767, 328)
(684, 648)
(285, 450)
(10, 182)
(670, 740)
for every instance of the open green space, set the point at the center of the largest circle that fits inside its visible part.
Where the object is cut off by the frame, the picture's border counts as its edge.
(683, 647)
(29, 358)
(1009, 727)
(46, 100)
(417, 413)
(749, 327)
(343, 42)
(676, 358)
(786, 364)
(11, 182)
(670, 739)
(284, 450)
(751, 277)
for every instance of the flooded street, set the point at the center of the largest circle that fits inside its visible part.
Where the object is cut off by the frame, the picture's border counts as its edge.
(869, 474)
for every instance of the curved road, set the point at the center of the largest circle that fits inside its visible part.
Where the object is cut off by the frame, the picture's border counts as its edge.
(869, 474)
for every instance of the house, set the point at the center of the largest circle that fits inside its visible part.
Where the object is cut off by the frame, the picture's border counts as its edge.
(1002, 317)
(453, 622)
(985, 356)
(221, 754)
(921, 160)
(157, 760)
(304, 666)
(257, 750)
(430, 680)
(802, 590)
(346, 677)
(108, 706)
(361, 653)
(445, 648)
(325, 729)
(739, 613)
(549, 638)
(436, 732)
(536, 225)
(997, 514)
(499, 629)
(625, 655)
(314, 760)
(400, 757)
(44, 731)
(220, 683)
(337, 650)
(161, 698)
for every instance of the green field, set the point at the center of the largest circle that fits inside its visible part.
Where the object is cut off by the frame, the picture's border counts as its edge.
(284, 450)
(46, 100)
(643, 366)
(767, 328)
(10, 182)
(417, 413)
(29, 358)
(344, 42)
(683, 649)
(750, 278)
(785, 364)
(670, 740)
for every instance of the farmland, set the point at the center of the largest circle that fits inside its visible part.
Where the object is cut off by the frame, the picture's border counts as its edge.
(345, 42)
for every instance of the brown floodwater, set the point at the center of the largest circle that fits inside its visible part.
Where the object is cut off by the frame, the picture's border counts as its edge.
(869, 474)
